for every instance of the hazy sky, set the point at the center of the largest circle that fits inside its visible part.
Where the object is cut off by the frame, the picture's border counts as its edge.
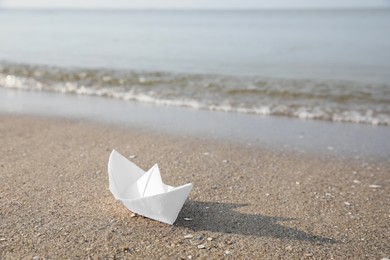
(195, 4)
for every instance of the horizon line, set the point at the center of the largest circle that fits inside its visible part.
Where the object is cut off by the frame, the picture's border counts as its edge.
(191, 9)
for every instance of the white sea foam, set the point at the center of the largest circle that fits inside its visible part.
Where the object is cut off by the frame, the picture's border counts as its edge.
(300, 99)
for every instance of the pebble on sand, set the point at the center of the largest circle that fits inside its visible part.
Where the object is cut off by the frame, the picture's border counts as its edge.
(189, 236)
(375, 186)
(201, 246)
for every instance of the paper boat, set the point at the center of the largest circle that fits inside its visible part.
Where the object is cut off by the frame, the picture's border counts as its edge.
(143, 192)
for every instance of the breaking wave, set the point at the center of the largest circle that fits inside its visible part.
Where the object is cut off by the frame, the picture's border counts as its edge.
(340, 101)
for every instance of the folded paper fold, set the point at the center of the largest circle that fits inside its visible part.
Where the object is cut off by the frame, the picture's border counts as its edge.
(143, 192)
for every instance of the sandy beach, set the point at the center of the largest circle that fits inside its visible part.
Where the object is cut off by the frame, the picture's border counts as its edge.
(247, 202)
(277, 113)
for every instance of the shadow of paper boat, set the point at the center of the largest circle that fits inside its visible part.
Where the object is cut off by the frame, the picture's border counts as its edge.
(143, 192)
(225, 218)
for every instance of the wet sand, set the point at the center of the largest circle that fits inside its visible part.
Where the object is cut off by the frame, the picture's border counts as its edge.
(247, 202)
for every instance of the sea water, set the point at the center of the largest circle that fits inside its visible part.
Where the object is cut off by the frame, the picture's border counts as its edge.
(330, 65)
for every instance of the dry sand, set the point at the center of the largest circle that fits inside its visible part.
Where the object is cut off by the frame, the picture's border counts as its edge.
(246, 202)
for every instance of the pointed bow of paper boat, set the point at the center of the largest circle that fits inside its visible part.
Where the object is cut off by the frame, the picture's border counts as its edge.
(143, 192)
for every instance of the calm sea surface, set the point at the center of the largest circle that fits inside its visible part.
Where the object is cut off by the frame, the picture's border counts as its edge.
(329, 65)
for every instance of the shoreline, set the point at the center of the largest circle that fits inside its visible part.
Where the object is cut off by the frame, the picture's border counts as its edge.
(248, 95)
(275, 133)
(247, 201)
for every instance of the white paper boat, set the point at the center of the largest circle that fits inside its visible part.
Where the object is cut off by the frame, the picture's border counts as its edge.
(143, 192)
